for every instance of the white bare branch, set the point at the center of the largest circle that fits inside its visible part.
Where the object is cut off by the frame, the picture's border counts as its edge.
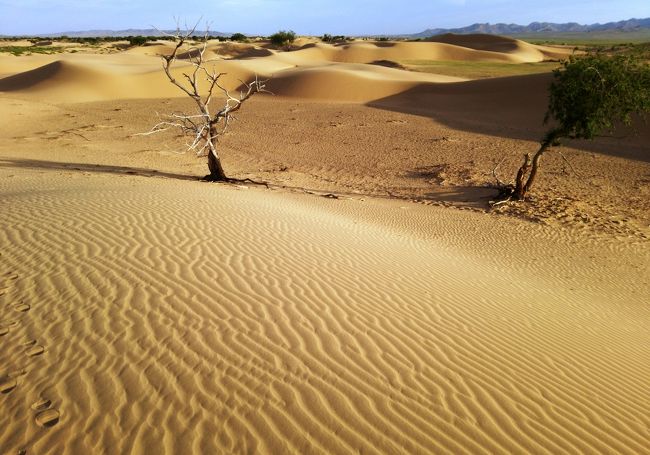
(201, 84)
(496, 177)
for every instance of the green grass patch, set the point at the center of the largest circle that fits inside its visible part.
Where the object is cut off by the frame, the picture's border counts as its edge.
(478, 70)
(28, 50)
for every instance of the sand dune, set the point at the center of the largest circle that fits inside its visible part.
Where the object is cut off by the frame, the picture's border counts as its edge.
(155, 49)
(363, 53)
(68, 80)
(308, 72)
(214, 49)
(367, 52)
(81, 80)
(523, 51)
(240, 50)
(64, 81)
(348, 82)
(515, 103)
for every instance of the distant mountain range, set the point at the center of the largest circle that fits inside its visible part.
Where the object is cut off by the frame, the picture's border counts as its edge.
(539, 27)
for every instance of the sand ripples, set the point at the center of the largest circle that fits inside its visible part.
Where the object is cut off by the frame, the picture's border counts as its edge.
(192, 318)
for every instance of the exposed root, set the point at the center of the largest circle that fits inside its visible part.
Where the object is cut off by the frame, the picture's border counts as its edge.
(217, 179)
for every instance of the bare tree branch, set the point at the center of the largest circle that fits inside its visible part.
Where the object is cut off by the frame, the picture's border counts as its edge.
(203, 127)
(494, 172)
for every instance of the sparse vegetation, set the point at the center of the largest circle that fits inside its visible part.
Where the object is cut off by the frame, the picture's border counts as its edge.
(27, 50)
(238, 37)
(137, 40)
(327, 38)
(283, 38)
(589, 96)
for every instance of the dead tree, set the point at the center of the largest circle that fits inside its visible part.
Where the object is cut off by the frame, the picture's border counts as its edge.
(205, 126)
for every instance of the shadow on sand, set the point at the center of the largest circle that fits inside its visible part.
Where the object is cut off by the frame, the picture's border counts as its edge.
(510, 107)
(91, 168)
(468, 196)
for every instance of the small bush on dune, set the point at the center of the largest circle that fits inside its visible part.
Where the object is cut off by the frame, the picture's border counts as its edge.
(327, 38)
(238, 37)
(137, 40)
(283, 38)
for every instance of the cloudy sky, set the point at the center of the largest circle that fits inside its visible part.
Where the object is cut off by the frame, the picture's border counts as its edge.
(314, 17)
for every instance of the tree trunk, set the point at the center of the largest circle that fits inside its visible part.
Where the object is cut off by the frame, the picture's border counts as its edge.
(522, 189)
(216, 170)
(214, 162)
(535, 167)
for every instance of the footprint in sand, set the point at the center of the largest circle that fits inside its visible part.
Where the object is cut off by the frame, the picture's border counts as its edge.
(4, 287)
(33, 349)
(5, 327)
(22, 307)
(46, 416)
(7, 384)
(17, 374)
(41, 405)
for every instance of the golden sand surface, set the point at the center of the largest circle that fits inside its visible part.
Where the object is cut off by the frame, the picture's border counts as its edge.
(143, 311)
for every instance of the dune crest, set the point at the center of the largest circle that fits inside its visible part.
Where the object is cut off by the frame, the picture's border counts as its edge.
(521, 50)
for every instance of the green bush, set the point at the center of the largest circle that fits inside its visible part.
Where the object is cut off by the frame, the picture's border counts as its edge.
(327, 38)
(238, 37)
(28, 50)
(283, 38)
(137, 40)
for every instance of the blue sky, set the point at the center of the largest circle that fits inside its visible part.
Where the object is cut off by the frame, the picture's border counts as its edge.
(313, 17)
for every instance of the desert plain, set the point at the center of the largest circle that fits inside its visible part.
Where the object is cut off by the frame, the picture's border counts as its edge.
(365, 299)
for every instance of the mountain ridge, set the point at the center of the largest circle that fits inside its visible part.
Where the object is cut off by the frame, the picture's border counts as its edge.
(628, 25)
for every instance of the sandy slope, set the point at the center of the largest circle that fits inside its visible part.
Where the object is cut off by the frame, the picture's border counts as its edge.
(179, 316)
(520, 50)
(142, 311)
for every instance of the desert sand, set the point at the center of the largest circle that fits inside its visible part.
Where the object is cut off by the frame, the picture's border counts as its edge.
(143, 311)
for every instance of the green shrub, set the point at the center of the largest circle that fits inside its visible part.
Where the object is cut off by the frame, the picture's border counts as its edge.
(28, 50)
(327, 38)
(137, 40)
(238, 37)
(283, 38)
